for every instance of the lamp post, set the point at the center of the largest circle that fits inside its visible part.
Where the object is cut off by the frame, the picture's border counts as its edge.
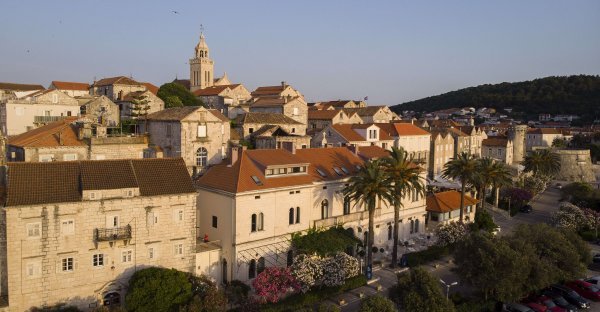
(448, 287)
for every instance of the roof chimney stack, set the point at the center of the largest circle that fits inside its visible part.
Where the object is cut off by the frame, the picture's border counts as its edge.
(235, 153)
(283, 84)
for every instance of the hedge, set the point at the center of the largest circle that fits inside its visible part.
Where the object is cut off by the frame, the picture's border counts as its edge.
(432, 253)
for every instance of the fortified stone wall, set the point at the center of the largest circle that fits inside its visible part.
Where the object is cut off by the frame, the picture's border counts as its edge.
(575, 166)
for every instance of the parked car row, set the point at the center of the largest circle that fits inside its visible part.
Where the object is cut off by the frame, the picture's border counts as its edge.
(568, 297)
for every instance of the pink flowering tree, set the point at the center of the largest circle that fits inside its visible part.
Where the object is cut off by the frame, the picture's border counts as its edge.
(274, 282)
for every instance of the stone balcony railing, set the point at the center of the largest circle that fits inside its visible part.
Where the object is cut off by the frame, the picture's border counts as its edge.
(351, 217)
(47, 119)
(112, 234)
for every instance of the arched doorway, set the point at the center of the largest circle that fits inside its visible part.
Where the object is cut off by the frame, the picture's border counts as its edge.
(224, 273)
(111, 299)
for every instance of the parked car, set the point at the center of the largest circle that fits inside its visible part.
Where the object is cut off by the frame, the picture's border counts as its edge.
(558, 186)
(526, 209)
(550, 304)
(594, 280)
(585, 289)
(515, 307)
(537, 307)
(496, 230)
(559, 300)
(571, 296)
(596, 258)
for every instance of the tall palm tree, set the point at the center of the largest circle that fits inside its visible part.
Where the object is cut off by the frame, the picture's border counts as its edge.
(543, 162)
(464, 168)
(500, 176)
(482, 179)
(405, 178)
(369, 186)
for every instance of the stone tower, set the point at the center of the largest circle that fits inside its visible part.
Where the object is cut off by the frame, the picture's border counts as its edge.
(516, 134)
(201, 67)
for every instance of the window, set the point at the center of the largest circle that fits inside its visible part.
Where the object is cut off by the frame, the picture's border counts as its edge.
(346, 205)
(152, 218)
(178, 249)
(92, 195)
(389, 232)
(98, 260)
(69, 157)
(253, 223)
(417, 226)
(179, 215)
(291, 216)
(114, 221)
(434, 217)
(67, 227)
(34, 229)
(46, 158)
(297, 214)
(67, 264)
(54, 98)
(324, 209)
(250, 130)
(261, 219)
(201, 157)
(295, 112)
(214, 221)
(151, 253)
(257, 181)
(168, 130)
(126, 256)
(252, 269)
(412, 226)
(201, 131)
(293, 130)
(34, 269)
(261, 265)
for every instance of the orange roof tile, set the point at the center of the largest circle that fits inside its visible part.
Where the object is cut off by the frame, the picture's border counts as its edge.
(347, 132)
(495, 141)
(65, 85)
(115, 80)
(372, 152)
(152, 88)
(59, 133)
(404, 129)
(544, 131)
(447, 201)
(268, 90)
(211, 91)
(322, 114)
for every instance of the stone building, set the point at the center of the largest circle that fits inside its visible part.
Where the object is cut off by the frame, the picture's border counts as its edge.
(444, 207)
(256, 199)
(251, 122)
(499, 148)
(17, 90)
(476, 136)
(321, 119)
(352, 135)
(201, 67)
(516, 133)
(575, 166)
(373, 114)
(36, 109)
(541, 138)
(199, 135)
(73, 139)
(283, 90)
(337, 104)
(123, 91)
(72, 89)
(272, 136)
(441, 151)
(293, 107)
(414, 140)
(79, 244)
(100, 110)
(230, 100)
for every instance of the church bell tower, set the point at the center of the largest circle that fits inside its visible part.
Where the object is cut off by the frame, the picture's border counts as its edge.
(201, 67)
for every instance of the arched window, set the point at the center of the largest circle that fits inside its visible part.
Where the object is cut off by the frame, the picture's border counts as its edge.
(412, 226)
(366, 238)
(261, 219)
(201, 53)
(252, 269)
(261, 265)
(324, 209)
(297, 214)
(206, 53)
(291, 216)
(224, 273)
(389, 232)
(417, 226)
(346, 205)
(201, 157)
(290, 258)
(253, 223)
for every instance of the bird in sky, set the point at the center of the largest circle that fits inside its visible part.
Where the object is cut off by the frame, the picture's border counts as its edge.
(175, 12)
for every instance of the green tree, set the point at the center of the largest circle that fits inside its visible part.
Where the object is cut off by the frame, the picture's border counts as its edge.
(173, 101)
(405, 178)
(158, 289)
(482, 178)
(464, 168)
(139, 109)
(377, 303)
(559, 143)
(174, 89)
(370, 186)
(499, 176)
(419, 291)
(542, 162)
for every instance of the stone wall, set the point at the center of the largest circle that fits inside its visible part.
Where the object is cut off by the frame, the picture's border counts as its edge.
(118, 147)
(575, 166)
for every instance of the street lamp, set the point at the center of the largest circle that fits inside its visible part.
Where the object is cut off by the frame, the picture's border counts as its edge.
(448, 287)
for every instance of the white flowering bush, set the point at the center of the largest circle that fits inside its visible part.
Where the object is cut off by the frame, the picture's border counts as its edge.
(349, 264)
(308, 270)
(451, 233)
(571, 217)
(333, 272)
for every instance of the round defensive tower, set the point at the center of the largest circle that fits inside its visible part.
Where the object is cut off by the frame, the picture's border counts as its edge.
(516, 134)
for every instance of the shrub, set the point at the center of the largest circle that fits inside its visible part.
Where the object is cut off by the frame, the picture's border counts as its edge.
(451, 233)
(333, 273)
(377, 303)
(325, 307)
(307, 270)
(324, 242)
(419, 291)
(206, 295)
(483, 222)
(56, 308)
(430, 254)
(274, 282)
(570, 217)
(158, 289)
(237, 292)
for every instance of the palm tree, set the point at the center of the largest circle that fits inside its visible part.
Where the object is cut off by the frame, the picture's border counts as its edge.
(543, 162)
(464, 168)
(405, 178)
(500, 176)
(369, 186)
(482, 178)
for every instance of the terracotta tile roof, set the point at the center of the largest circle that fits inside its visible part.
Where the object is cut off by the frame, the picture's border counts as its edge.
(389, 129)
(218, 114)
(210, 91)
(152, 88)
(347, 132)
(57, 182)
(65, 85)
(443, 123)
(267, 118)
(267, 102)
(238, 178)
(115, 80)
(173, 113)
(322, 114)
(20, 86)
(364, 111)
(404, 129)
(372, 152)
(447, 201)
(456, 132)
(268, 90)
(495, 141)
(59, 133)
(183, 82)
(544, 131)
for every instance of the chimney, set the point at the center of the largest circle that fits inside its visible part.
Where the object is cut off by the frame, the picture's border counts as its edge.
(235, 153)
(60, 139)
(283, 84)
(289, 146)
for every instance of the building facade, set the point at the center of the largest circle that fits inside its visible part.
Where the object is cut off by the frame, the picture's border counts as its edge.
(499, 148)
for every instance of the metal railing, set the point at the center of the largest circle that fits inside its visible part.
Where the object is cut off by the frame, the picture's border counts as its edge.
(338, 220)
(46, 119)
(112, 234)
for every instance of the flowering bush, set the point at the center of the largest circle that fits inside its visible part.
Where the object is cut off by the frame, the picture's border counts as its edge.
(518, 195)
(274, 282)
(348, 264)
(333, 273)
(451, 233)
(570, 216)
(307, 270)
(535, 184)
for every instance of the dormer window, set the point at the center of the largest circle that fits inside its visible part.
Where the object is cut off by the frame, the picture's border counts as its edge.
(321, 173)
(345, 170)
(257, 180)
(338, 171)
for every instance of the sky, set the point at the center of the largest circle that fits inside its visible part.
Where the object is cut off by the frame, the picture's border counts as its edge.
(390, 51)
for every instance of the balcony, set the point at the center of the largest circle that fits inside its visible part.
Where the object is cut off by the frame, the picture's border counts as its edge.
(339, 220)
(47, 119)
(112, 234)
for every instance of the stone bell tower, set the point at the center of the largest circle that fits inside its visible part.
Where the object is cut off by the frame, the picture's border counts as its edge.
(201, 67)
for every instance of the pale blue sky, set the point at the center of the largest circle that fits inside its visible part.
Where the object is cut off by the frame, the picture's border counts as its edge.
(392, 51)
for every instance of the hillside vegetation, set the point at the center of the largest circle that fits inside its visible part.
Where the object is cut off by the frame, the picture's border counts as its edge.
(578, 95)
